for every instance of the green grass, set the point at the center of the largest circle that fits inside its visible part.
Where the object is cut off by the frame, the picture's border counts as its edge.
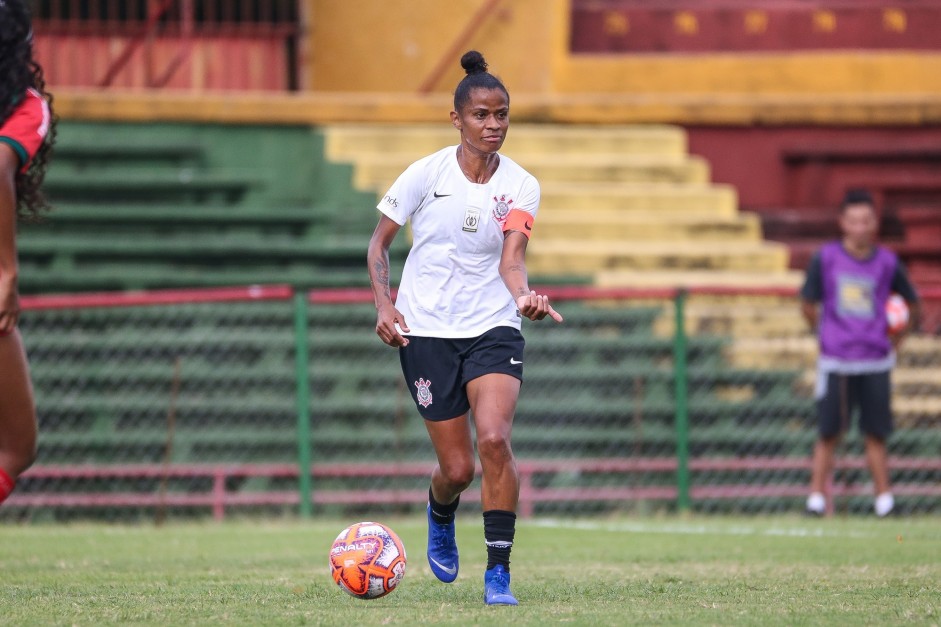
(680, 571)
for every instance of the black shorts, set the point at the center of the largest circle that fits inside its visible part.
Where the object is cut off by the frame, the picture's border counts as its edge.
(437, 369)
(869, 394)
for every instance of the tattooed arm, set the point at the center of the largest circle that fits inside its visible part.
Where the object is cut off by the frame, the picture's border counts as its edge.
(377, 258)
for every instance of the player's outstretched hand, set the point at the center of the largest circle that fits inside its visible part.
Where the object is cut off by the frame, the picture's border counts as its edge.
(536, 307)
(386, 318)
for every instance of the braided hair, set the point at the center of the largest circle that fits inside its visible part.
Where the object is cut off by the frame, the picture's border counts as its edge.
(477, 77)
(19, 72)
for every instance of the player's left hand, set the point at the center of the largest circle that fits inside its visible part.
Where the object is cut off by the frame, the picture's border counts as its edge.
(536, 307)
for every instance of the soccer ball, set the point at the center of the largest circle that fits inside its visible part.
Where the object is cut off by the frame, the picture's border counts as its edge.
(367, 560)
(896, 313)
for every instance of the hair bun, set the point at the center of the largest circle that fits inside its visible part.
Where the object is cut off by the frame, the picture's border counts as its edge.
(473, 62)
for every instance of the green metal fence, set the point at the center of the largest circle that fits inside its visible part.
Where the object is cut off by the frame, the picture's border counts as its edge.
(267, 401)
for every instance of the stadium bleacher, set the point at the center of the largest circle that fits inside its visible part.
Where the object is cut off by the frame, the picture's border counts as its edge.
(625, 205)
(144, 206)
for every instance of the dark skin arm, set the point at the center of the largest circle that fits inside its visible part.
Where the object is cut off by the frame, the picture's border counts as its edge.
(811, 313)
(513, 272)
(9, 269)
(377, 258)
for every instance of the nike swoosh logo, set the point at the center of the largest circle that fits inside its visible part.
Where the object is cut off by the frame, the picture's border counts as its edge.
(449, 571)
(528, 226)
(437, 195)
(514, 362)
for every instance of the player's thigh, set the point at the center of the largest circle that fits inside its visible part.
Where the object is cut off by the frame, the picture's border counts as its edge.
(493, 403)
(452, 440)
(17, 410)
(874, 391)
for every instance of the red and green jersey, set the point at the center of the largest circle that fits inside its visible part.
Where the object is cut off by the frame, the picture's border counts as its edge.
(25, 129)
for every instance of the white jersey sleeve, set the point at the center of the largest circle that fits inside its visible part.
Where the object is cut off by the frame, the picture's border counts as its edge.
(529, 196)
(406, 194)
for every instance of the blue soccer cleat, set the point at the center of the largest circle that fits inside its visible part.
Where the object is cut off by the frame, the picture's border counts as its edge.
(497, 587)
(442, 550)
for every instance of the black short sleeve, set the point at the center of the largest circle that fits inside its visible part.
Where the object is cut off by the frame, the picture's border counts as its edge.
(902, 285)
(813, 283)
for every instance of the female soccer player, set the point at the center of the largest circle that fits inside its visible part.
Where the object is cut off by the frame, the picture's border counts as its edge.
(456, 319)
(26, 136)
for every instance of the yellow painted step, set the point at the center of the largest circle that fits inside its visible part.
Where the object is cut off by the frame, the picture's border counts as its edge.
(732, 319)
(698, 278)
(713, 200)
(801, 351)
(377, 172)
(587, 256)
(646, 226)
(344, 142)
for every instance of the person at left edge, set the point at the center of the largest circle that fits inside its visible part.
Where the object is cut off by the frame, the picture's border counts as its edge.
(27, 131)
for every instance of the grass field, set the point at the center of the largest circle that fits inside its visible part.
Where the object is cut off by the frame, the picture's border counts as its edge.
(682, 571)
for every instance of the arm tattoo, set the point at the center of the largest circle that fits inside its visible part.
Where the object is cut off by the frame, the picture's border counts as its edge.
(381, 268)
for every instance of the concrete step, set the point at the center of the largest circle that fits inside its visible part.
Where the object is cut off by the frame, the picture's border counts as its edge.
(589, 256)
(377, 171)
(742, 320)
(711, 200)
(918, 351)
(345, 141)
(697, 278)
(646, 226)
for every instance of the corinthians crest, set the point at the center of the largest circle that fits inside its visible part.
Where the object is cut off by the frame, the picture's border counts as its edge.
(424, 392)
(501, 208)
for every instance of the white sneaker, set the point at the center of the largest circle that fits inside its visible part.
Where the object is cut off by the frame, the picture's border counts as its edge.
(816, 504)
(884, 504)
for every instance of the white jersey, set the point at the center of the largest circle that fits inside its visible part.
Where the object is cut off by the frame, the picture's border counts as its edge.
(451, 285)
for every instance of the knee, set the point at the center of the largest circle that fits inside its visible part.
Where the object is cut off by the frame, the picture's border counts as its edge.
(494, 447)
(458, 474)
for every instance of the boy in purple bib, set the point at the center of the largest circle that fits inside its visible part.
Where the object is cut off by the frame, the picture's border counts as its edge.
(844, 299)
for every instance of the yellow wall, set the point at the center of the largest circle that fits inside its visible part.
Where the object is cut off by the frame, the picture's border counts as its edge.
(804, 73)
(393, 45)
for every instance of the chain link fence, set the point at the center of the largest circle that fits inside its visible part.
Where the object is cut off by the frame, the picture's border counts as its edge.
(190, 404)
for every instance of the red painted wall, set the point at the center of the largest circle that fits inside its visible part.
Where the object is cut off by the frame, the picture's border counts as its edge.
(806, 167)
(752, 25)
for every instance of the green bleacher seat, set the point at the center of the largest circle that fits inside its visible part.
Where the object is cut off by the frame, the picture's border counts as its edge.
(177, 205)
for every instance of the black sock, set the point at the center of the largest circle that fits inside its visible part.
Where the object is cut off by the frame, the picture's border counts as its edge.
(499, 529)
(440, 513)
